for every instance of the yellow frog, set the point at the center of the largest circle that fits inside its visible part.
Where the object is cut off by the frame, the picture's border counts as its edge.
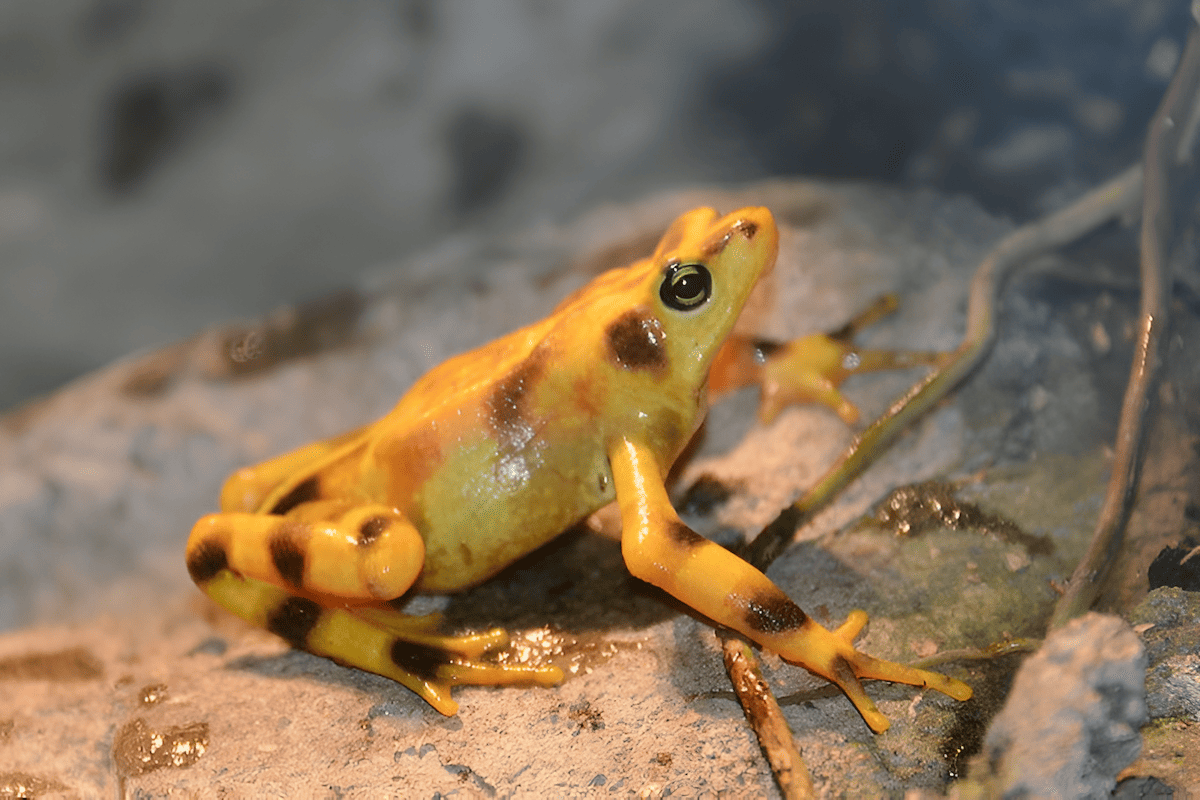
(499, 450)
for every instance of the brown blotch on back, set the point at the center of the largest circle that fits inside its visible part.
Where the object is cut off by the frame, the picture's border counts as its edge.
(637, 341)
(304, 491)
(410, 460)
(772, 612)
(506, 405)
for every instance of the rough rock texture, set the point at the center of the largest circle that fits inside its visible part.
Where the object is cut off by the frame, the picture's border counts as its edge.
(100, 483)
(1071, 721)
(1169, 623)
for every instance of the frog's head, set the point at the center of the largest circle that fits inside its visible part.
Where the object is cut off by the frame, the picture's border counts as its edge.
(659, 322)
(697, 282)
(664, 318)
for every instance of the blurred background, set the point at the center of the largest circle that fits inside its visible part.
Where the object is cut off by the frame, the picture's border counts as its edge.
(169, 164)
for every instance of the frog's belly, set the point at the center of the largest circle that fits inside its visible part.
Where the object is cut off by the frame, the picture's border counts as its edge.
(485, 508)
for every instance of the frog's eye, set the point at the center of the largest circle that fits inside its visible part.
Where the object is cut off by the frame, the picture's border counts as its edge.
(686, 286)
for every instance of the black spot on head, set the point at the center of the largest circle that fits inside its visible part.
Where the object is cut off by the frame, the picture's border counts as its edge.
(773, 612)
(637, 341)
(372, 529)
(421, 660)
(206, 561)
(304, 491)
(293, 620)
(287, 555)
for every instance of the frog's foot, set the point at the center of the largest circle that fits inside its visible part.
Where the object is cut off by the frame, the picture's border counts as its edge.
(404, 648)
(810, 369)
(410, 651)
(831, 655)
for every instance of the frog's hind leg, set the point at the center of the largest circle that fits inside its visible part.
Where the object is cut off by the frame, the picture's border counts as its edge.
(249, 488)
(413, 655)
(302, 577)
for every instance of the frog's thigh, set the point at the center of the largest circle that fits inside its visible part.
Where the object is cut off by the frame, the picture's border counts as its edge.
(246, 489)
(365, 552)
(660, 549)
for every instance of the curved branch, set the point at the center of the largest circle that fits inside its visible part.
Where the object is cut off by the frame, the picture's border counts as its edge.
(1169, 142)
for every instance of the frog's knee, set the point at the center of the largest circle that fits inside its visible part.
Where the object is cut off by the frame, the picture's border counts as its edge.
(370, 554)
(207, 549)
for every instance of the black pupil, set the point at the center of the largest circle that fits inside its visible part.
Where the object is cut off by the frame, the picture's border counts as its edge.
(689, 286)
(686, 286)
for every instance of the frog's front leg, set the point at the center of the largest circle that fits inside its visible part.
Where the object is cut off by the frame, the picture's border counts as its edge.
(662, 550)
(810, 369)
(319, 578)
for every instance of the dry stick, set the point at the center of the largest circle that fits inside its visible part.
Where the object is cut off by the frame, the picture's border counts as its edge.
(1107, 202)
(765, 716)
(1167, 144)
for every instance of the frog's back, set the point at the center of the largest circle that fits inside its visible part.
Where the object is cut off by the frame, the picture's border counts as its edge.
(496, 451)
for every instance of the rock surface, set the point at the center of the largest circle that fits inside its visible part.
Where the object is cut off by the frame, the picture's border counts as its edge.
(1071, 722)
(100, 483)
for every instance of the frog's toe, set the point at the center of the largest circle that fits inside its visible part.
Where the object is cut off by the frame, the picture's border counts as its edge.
(410, 651)
(431, 672)
(867, 667)
(850, 667)
(848, 631)
(485, 673)
(424, 630)
(831, 654)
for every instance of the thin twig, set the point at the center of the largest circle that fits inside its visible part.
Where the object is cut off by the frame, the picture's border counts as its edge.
(765, 717)
(1168, 131)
